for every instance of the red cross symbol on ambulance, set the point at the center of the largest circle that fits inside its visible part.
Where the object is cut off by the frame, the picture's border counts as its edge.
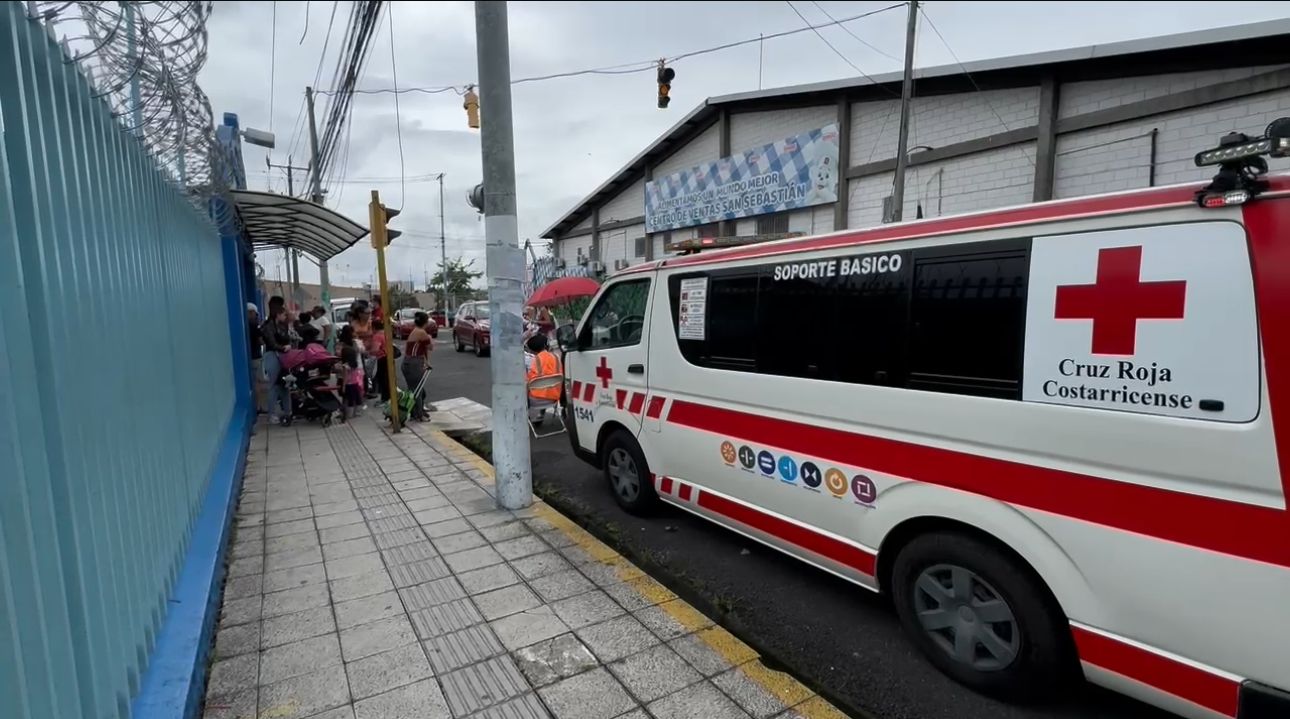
(1119, 299)
(604, 373)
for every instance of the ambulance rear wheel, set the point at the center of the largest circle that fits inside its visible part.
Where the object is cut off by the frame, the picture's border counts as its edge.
(627, 473)
(981, 616)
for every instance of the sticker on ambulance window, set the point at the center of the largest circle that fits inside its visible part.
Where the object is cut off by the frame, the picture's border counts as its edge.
(693, 309)
(1156, 320)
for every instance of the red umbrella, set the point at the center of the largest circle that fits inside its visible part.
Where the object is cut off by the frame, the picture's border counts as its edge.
(558, 292)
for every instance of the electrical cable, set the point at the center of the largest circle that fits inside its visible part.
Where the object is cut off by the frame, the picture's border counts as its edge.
(398, 122)
(305, 33)
(273, 60)
(834, 49)
(643, 65)
(971, 79)
(859, 39)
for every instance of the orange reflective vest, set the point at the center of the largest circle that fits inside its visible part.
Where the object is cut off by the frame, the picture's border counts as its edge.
(544, 365)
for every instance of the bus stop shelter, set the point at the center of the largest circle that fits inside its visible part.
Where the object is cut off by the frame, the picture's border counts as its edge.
(274, 221)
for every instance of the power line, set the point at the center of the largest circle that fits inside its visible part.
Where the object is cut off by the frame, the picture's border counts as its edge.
(273, 60)
(859, 39)
(398, 121)
(836, 51)
(643, 65)
(305, 33)
(971, 79)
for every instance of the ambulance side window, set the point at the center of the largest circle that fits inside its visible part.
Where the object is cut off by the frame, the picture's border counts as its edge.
(618, 319)
(967, 321)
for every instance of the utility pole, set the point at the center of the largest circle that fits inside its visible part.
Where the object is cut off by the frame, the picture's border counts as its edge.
(443, 248)
(505, 259)
(294, 269)
(906, 95)
(316, 196)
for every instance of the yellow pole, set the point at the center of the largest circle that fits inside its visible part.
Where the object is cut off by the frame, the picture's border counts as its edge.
(376, 212)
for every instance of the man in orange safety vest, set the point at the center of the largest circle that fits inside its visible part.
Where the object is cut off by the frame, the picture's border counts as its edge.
(544, 364)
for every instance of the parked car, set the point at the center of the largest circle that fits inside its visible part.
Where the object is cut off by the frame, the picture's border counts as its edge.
(340, 312)
(472, 329)
(403, 323)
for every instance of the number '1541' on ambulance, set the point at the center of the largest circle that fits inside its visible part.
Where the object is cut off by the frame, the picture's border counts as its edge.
(1058, 435)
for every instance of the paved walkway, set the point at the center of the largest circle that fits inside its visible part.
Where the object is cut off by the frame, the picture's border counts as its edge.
(373, 577)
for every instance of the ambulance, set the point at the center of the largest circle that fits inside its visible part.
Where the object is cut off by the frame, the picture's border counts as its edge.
(1057, 436)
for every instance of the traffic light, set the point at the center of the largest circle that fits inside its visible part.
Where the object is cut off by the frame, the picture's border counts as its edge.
(470, 101)
(380, 216)
(665, 75)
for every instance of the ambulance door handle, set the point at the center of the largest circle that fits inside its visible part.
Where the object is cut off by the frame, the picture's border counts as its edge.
(1211, 405)
(636, 369)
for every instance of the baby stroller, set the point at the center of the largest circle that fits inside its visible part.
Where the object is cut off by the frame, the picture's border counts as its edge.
(407, 399)
(307, 375)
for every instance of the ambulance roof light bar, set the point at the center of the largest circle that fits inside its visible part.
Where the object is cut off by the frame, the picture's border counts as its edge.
(1241, 163)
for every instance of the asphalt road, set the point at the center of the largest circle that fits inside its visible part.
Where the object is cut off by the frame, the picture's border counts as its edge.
(837, 638)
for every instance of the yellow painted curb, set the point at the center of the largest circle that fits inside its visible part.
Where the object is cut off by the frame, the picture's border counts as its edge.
(787, 690)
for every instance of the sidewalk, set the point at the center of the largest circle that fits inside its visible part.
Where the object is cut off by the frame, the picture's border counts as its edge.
(373, 577)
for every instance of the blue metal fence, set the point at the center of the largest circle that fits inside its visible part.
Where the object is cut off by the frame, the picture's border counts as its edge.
(117, 387)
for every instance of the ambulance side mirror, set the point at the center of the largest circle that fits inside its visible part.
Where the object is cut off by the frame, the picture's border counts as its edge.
(566, 337)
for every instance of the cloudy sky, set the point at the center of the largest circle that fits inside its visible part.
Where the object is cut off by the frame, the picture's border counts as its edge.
(572, 134)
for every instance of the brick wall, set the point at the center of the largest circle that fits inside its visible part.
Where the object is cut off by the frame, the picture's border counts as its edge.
(568, 249)
(1114, 158)
(628, 204)
(754, 129)
(1078, 98)
(986, 179)
(939, 120)
(620, 245)
(701, 149)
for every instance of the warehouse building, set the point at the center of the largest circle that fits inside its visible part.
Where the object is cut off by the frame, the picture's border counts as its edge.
(816, 158)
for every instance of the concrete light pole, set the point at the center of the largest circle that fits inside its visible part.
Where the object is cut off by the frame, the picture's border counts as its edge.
(505, 259)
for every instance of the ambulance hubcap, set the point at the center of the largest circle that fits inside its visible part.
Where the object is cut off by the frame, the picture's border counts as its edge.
(966, 617)
(623, 474)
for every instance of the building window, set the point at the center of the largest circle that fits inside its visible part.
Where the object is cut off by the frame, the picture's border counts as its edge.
(776, 224)
(640, 246)
(705, 231)
(949, 320)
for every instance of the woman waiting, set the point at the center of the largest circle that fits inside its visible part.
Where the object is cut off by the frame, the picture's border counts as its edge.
(376, 350)
(416, 360)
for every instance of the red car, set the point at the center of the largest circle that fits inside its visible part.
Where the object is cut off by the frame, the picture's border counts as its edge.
(403, 323)
(472, 329)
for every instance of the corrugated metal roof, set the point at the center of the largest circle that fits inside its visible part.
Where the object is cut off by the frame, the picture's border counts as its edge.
(706, 111)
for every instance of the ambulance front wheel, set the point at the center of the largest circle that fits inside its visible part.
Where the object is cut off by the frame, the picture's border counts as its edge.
(982, 616)
(627, 473)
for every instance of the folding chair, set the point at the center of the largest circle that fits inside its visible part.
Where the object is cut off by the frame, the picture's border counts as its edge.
(538, 405)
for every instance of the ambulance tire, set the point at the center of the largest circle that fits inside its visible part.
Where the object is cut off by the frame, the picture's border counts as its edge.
(1034, 630)
(627, 473)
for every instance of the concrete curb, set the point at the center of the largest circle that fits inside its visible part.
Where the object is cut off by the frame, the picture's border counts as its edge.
(800, 700)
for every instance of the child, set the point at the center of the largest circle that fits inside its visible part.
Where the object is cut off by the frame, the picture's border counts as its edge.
(353, 379)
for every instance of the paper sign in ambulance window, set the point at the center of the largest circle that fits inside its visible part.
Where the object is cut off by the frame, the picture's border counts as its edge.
(1156, 320)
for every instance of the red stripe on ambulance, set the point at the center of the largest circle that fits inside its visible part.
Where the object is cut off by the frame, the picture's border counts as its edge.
(1212, 691)
(588, 392)
(576, 390)
(1207, 523)
(822, 544)
(638, 401)
(655, 407)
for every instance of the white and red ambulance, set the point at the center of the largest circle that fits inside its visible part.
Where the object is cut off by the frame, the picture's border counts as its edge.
(1056, 435)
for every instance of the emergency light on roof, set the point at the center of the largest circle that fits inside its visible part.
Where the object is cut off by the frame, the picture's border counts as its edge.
(1241, 163)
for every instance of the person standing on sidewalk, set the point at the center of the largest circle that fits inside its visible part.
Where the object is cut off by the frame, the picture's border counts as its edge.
(256, 346)
(277, 339)
(416, 361)
(376, 349)
(323, 323)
